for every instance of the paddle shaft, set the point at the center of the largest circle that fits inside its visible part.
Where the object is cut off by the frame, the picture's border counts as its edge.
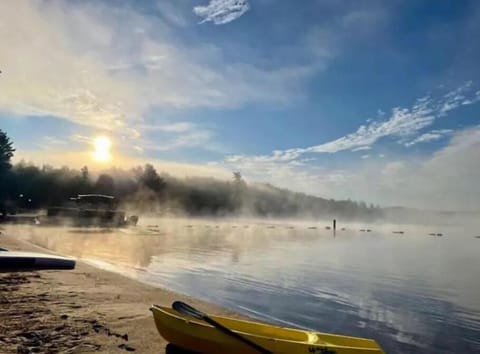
(189, 310)
(236, 335)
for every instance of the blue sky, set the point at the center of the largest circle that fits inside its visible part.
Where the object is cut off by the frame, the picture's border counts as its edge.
(368, 100)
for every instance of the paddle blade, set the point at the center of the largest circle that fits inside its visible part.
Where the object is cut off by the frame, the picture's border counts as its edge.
(182, 307)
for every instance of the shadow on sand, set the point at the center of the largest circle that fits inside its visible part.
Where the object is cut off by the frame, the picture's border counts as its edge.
(173, 349)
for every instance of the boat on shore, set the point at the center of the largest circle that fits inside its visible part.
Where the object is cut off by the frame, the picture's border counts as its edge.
(18, 261)
(88, 210)
(199, 336)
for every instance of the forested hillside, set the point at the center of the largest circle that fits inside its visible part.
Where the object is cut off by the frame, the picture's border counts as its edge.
(143, 189)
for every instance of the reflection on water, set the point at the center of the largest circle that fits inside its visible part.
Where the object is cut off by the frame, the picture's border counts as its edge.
(412, 292)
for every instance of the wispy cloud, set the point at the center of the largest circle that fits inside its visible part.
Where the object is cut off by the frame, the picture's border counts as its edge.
(411, 180)
(107, 69)
(361, 148)
(176, 127)
(288, 168)
(456, 98)
(221, 12)
(52, 141)
(77, 138)
(168, 137)
(403, 123)
(62, 142)
(430, 136)
(186, 139)
(428, 182)
(298, 175)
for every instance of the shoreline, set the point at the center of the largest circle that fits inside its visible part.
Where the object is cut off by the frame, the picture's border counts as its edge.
(84, 310)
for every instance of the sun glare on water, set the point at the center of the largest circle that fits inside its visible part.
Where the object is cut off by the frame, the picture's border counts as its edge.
(102, 146)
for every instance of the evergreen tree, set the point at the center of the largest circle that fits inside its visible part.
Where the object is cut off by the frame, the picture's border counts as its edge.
(6, 152)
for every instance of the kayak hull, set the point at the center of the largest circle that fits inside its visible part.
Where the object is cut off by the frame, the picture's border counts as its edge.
(17, 261)
(198, 336)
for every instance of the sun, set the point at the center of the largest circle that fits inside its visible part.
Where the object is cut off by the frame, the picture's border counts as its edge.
(102, 145)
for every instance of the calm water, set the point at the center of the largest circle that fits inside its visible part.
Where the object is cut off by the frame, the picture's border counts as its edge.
(413, 293)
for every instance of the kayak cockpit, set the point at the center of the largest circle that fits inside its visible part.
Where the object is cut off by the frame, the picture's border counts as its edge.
(257, 329)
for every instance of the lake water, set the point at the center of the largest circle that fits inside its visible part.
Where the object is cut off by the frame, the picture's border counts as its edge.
(413, 293)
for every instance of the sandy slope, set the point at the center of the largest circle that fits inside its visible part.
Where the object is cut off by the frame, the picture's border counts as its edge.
(79, 311)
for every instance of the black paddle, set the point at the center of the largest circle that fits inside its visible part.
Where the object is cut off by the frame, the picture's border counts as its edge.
(190, 311)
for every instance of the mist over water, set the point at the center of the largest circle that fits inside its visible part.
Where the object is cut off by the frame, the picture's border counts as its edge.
(412, 292)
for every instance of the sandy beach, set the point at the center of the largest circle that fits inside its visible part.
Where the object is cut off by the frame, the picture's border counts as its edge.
(80, 311)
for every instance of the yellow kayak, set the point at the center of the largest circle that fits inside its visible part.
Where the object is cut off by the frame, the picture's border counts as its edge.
(199, 336)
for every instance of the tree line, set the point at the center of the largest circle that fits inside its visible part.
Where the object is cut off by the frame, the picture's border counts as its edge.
(25, 186)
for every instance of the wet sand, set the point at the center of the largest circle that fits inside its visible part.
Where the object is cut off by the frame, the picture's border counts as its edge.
(80, 311)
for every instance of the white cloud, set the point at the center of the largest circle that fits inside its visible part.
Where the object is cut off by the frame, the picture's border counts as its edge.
(456, 98)
(362, 148)
(402, 123)
(221, 12)
(430, 136)
(448, 180)
(177, 127)
(295, 175)
(52, 141)
(393, 168)
(78, 138)
(169, 136)
(106, 66)
(194, 138)
(414, 181)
